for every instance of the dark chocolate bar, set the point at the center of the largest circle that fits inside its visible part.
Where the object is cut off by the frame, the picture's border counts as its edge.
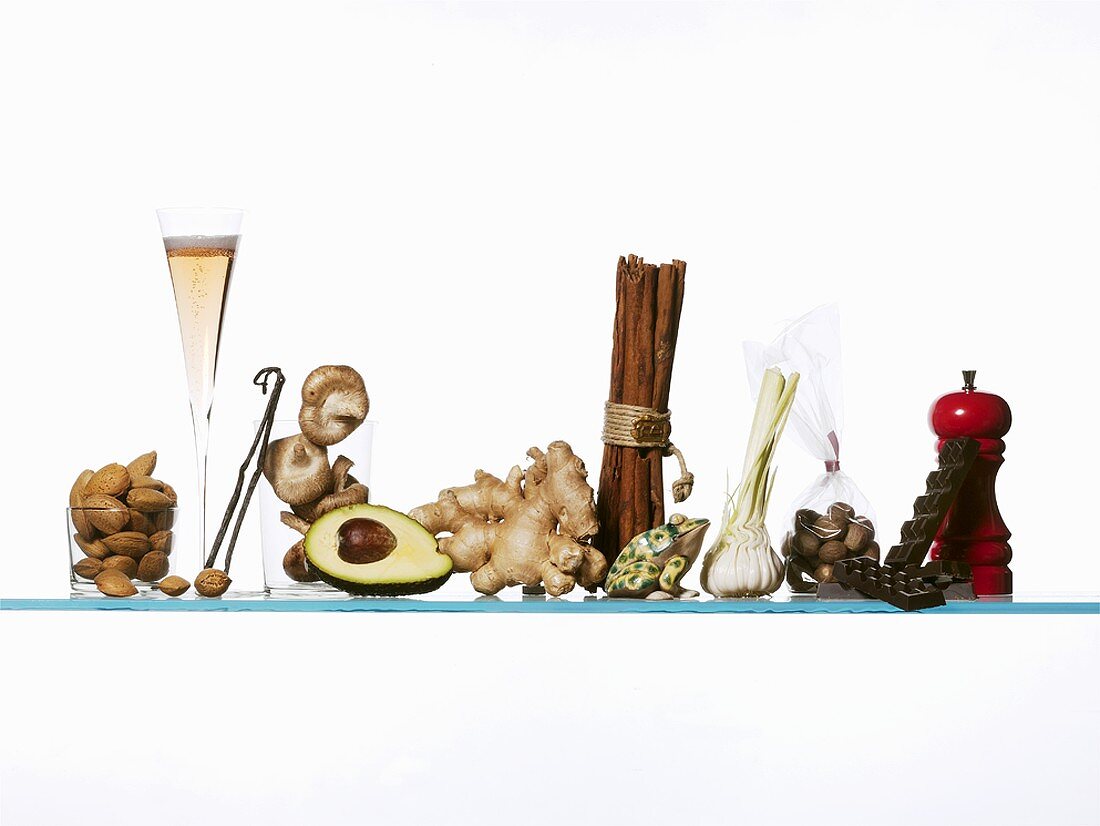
(940, 571)
(891, 585)
(929, 510)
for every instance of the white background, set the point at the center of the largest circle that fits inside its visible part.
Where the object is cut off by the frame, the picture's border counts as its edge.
(438, 195)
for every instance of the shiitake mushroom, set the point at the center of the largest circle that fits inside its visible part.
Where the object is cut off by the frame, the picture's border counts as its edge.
(334, 403)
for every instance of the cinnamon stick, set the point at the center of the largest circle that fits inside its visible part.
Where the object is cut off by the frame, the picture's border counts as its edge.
(648, 300)
(638, 390)
(670, 299)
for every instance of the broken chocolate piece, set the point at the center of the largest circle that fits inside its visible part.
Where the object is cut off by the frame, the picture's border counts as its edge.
(929, 511)
(891, 585)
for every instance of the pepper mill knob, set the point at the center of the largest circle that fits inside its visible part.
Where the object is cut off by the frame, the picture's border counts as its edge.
(973, 531)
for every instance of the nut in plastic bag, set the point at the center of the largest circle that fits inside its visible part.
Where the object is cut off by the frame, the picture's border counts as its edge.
(831, 519)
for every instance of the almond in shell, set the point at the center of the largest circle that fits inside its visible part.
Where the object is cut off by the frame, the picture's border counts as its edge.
(148, 500)
(211, 582)
(173, 586)
(153, 566)
(94, 549)
(128, 543)
(162, 541)
(142, 522)
(125, 564)
(143, 465)
(76, 502)
(112, 480)
(87, 568)
(146, 482)
(105, 513)
(114, 583)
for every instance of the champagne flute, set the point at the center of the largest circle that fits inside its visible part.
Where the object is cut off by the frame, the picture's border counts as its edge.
(201, 245)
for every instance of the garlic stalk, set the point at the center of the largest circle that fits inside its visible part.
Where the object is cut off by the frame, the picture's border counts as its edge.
(742, 562)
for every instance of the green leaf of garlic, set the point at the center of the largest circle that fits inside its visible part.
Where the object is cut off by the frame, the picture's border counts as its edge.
(742, 563)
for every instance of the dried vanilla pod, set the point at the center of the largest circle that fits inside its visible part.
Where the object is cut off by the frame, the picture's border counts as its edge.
(212, 582)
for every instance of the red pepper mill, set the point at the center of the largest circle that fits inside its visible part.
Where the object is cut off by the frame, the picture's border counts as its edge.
(973, 531)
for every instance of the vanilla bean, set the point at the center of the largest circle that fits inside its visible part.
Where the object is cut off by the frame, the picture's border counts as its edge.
(263, 436)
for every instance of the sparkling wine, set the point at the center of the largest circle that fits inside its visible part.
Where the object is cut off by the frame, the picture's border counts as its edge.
(201, 266)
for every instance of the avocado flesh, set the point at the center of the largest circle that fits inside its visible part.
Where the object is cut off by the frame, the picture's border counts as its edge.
(414, 566)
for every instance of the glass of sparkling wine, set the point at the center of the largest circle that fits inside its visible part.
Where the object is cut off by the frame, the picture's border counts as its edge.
(201, 245)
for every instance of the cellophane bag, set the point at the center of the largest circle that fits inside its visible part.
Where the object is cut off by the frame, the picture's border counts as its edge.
(831, 519)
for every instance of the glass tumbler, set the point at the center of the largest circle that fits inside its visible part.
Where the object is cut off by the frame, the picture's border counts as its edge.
(284, 572)
(138, 543)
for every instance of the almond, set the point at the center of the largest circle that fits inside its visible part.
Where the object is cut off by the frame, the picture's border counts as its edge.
(174, 586)
(148, 500)
(78, 487)
(143, 465)
(87, 568)
(146, 482)
(114, 584)
(170, 492)
(162, 520)
(123, 564)
(141, 523)
(128, 543)
(76, 501)
(162, 541)
(105, 512)
(94, 549)
(211, 582)
(153, 566)
(112, 480)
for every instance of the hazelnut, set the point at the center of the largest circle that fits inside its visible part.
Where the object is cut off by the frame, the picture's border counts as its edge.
(832, 551)
(865, 522)
(211, 582)
(823, 572)
(872, 550)
(805, 518)
(827, 528)
(841, 512)
(857, 537)
(806, 543)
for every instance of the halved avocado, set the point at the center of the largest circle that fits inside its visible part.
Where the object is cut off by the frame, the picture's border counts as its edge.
(375, 551)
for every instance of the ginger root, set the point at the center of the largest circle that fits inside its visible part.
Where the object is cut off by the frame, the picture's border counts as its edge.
(532, 527)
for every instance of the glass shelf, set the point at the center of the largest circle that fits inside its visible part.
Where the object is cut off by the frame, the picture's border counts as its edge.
(574, 604)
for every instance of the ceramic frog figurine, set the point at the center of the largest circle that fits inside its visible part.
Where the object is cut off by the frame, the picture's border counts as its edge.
(653, 563)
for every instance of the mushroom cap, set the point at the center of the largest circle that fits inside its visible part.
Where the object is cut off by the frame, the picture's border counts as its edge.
(334, 403)
(297, 469)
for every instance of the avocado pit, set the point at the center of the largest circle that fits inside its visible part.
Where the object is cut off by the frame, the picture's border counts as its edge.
(362, 541)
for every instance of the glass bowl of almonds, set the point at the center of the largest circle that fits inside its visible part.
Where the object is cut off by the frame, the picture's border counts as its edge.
(120, 524)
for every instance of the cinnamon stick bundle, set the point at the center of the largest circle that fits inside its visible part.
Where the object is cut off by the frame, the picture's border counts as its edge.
(648, 300)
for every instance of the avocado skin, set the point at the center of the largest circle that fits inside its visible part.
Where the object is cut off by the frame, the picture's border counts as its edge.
(379, 589)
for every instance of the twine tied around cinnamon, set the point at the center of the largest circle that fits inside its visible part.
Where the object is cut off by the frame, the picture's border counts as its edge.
(628, 425)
